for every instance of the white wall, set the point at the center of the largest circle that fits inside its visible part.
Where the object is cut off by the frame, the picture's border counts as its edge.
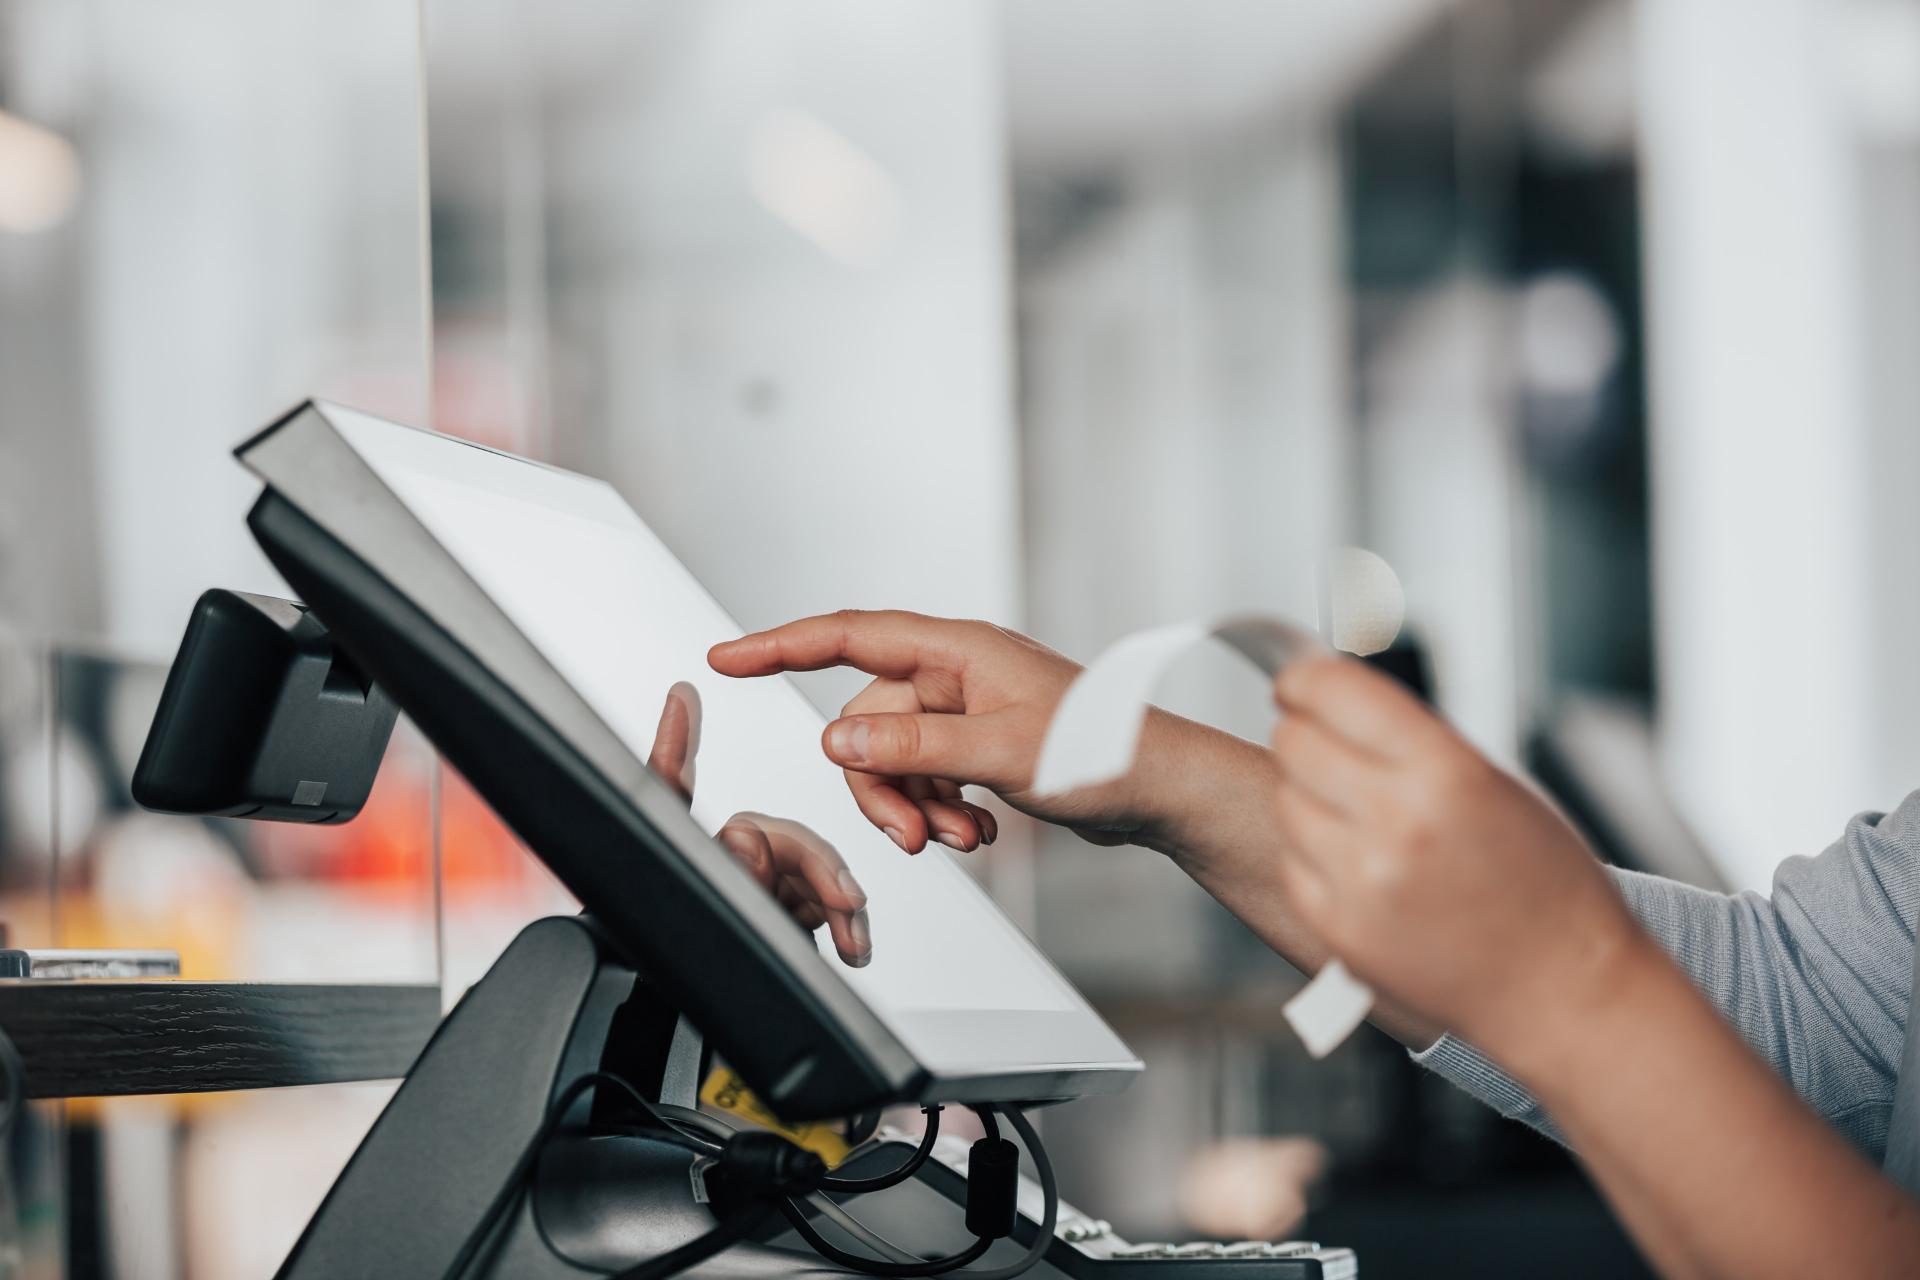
(251, 236)
(1777, 687)
(1441, 471)
(810, 427)
(1185, 402)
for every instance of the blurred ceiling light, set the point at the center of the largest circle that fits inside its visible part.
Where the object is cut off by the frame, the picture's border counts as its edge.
(1873, 61)
(39, 176)
(808, 175)
(1569, 340)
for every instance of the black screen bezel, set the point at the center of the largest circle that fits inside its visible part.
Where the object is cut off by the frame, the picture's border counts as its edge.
(765, 1023)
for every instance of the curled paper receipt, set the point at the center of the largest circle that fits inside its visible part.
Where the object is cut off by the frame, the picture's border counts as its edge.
(1096, 731)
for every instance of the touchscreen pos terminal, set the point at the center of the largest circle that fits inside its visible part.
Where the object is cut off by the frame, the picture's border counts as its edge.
(531, 624)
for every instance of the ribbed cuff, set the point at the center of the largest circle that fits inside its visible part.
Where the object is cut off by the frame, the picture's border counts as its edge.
(1467, 1067)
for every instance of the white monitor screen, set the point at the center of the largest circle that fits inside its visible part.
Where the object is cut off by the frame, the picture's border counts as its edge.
(621, 620)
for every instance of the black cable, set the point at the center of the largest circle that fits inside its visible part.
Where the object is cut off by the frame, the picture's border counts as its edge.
(873, 1266)
(1050, 1203)
(777, 1180)
(1043, 1234)
(893, 1177)
(729, 1232)
(516, 1179)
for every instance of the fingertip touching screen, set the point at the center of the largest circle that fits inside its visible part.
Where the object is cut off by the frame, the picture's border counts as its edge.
(617, 616)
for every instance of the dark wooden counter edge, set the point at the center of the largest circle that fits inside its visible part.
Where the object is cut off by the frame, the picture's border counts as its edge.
(113, 1039)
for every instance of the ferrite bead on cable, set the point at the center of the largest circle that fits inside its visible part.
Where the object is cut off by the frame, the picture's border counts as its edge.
(993, 1187)
(766, 1162)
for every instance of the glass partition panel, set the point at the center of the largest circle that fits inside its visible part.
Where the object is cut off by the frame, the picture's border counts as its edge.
(209, 210)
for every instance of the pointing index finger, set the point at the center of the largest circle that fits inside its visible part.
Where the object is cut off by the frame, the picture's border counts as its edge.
(885, 643)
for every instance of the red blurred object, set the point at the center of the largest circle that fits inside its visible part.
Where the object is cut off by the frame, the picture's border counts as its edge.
(389, 847)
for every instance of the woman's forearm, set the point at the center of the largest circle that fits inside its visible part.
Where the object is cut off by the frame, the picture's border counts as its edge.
(1718, 1168)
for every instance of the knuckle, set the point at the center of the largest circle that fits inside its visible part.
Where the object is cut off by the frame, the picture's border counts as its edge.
(994, 631)
(1311, 677)
(1382, 870)
(742, 841)
(1473, 776)
(872, 697)
(1415, 834)
(1283, 811)
(1343, 677)
(1426, 795)
(1290, 809)
(1310, 894)
(1444, 780)
(971, 636)
(897, 739)
(844, 623)
(1453, 780)
(1413, 825)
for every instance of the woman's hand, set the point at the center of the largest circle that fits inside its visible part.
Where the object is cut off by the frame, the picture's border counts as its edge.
(793, 863)
(1459, 892)
(1374, 829)
(1436, 876)
(953, 704)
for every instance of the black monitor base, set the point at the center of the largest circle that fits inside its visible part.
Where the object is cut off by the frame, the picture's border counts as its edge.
(557, 1005)
(560, 1004)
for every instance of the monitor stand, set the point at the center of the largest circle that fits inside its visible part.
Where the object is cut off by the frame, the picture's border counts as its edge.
(558, 1004)
(561, 1003)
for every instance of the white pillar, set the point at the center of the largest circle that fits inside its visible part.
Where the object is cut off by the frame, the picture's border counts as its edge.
(252, 238)
(1763, 556)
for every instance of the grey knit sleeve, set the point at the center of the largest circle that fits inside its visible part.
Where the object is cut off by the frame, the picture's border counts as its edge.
(1815, 976)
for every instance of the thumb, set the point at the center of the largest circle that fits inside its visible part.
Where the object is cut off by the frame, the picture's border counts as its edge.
(984, 749)
(677, 740)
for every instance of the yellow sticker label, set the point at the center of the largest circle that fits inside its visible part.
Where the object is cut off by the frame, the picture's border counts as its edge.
(725, 1091)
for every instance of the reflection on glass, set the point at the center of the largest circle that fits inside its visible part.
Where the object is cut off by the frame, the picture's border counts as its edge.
(790, 860)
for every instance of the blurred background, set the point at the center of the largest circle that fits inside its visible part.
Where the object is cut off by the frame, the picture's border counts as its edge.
(1594, 318)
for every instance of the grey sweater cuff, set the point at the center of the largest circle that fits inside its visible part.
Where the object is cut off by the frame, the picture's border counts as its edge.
(1459, 1062)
